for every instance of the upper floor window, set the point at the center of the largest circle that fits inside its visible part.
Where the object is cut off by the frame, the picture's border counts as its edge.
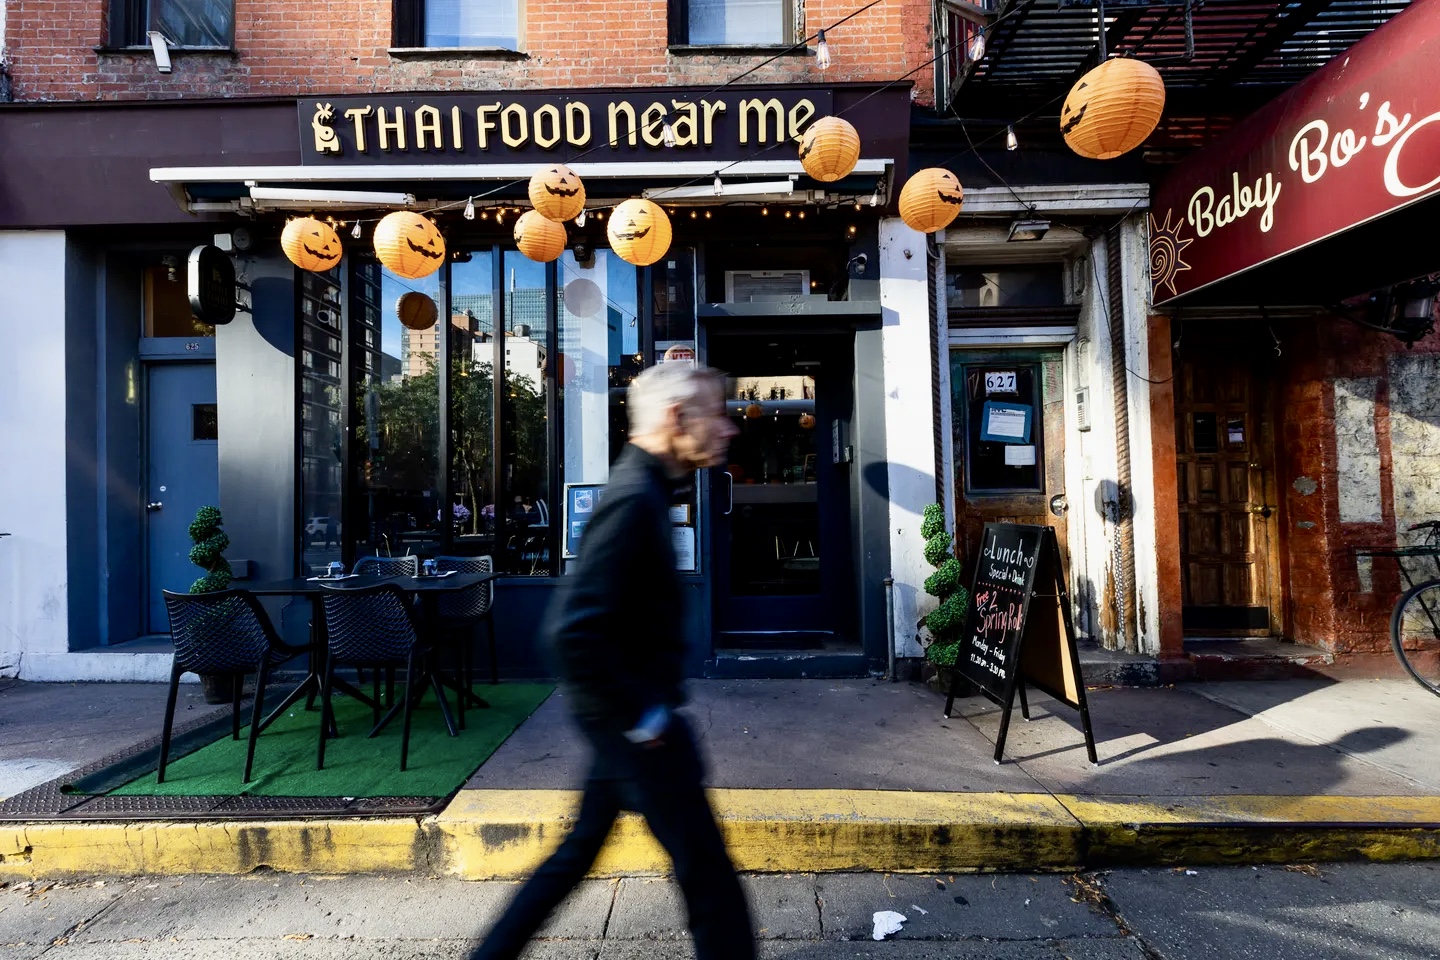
(743, 23)
(458, 23)
(202, 24)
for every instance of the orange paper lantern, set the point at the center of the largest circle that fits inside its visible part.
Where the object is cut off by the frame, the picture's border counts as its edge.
(311, 244)
(539, 239)
(1113, 108)
(416, 310)
(409, 245)
(557, 193)
(931, 199)
(807, 421)
(754, 411)
(829, 149)
(639, 232)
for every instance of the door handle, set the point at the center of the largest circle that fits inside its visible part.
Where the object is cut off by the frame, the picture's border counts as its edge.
(1059, 504)
(730, 506)
(152, 507)
(1263, 510)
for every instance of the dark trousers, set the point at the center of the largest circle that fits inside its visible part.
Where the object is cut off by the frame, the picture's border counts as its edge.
(663, 785)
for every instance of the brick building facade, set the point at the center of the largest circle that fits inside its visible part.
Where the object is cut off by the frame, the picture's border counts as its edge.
(63, 50)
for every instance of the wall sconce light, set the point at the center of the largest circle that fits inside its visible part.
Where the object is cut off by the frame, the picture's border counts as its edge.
(1028, 230)
(161, 47)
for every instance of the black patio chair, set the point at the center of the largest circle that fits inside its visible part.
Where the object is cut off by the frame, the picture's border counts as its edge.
(376, 627)
(406, 566)
(224, 632)
(462, 612)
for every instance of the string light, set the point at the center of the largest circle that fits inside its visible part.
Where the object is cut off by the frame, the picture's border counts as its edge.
(500, 215)
(580, 218)
(667, 132)
(470, 208)
(802, 214)
(787, 214)
(356, 232)
(707, 214)
(693, 215)
(719, 187)
(822, 53)
(764, 211)
(1011, 143)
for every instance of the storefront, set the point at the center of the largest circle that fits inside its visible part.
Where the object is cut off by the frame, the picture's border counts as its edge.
(1291, 274)
(330, 425)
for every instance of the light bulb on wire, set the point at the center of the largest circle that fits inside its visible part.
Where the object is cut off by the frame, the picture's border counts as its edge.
(469, 208)
(1011, 142)
(580, 218)
(719, 187)
(356, 232)
(976, 52)
(667, 132)
(822, 52)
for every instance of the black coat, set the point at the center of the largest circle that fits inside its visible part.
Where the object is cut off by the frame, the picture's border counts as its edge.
(615, 631)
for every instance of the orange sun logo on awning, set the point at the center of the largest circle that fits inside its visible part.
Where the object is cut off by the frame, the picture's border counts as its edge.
(1165, 249)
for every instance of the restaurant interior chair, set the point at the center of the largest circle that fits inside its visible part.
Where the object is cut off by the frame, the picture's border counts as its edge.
(461, 613)
(223, 632)
(406, 566)
(536, 547)
(376, 627)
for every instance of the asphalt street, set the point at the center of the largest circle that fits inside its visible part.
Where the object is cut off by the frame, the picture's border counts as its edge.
(1370, 911)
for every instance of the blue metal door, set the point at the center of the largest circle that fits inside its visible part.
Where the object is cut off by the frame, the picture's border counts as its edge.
(182, 474)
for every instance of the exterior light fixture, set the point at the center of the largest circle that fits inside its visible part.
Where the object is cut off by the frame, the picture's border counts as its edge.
(1028, 230)
(161, 48)
(822, 52)
(1011, 142)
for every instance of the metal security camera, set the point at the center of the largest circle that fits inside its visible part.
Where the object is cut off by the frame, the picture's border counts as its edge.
(858, 263)
(161, 46)
(584, 252)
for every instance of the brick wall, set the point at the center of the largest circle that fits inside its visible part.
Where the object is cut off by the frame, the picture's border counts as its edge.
(1359, 461)
(283, 47)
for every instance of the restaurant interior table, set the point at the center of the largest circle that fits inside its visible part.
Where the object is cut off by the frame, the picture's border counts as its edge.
(428, 589)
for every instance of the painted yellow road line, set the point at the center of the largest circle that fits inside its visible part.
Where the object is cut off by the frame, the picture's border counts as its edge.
(1255, 829)
(500, 834)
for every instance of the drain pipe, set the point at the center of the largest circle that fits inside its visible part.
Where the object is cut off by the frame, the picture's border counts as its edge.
(890, 628)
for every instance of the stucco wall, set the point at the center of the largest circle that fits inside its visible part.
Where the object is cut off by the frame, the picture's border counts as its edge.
(33, 578)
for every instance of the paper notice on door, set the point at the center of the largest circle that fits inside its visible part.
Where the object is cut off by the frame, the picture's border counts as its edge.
(1005, 423)
(1019, 456)
(684, 540)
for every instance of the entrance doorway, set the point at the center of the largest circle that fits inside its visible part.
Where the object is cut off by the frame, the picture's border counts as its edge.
(1009, 426)
(783, 570)
(182, 475)
(1225, 455)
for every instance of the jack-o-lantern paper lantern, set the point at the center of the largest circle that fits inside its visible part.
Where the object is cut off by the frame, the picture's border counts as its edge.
(416, 310)
(639, 232)
(829, 149)
(807, 421)
(311, 244)
(409, 245)
(539, 239)
(931, 199)
(557, 193)
(754, 411)
(1113, 108)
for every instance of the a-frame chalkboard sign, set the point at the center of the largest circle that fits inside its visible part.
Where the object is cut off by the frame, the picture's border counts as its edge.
(1019, 630)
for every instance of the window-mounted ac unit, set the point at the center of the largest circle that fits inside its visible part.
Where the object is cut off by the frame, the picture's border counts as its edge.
(761, 286)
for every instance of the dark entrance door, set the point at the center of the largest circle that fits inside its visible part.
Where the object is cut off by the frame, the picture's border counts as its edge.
(783, 575)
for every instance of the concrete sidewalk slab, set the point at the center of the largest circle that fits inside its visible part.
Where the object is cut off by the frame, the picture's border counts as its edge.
(823, 776)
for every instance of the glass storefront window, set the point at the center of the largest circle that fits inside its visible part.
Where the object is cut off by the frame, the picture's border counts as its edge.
(322, 431)
(167, 310)
(1029, 285)
(525, 428)
(472, 406)
(396, 398)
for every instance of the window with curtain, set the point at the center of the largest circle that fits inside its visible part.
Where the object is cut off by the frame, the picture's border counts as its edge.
(203, 24)
(738, 22)
(470, 23)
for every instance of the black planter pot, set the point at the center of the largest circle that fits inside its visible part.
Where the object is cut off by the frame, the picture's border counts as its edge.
(218, 687)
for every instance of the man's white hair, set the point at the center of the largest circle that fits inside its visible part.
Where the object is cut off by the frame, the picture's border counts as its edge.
(662, 387)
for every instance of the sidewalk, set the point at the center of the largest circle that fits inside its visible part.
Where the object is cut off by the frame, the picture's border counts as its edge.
(815, 776)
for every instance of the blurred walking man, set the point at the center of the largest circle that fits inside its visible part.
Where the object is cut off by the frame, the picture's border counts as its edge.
(618, 642)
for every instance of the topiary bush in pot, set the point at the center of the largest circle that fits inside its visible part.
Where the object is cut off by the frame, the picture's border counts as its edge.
(947, 620)
(209, 555)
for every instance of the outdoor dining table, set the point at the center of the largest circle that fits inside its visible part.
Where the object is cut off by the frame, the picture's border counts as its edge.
(428, 589)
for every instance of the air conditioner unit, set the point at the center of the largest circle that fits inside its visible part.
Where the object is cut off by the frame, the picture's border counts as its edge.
(761, 286)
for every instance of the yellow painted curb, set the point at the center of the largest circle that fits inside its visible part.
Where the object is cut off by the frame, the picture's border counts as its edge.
(1255, 829)
(505, 834)
(177, 847)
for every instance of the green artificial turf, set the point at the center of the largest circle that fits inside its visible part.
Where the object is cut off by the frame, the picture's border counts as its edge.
(355, 766)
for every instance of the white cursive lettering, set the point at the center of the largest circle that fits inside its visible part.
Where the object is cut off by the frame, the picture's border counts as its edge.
(1392, 163)
(1205, 215)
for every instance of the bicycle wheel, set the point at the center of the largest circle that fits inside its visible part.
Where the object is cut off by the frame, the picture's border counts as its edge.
(1415, 634)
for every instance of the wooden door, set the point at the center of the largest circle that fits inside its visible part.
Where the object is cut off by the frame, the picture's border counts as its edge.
(1225, 453)
(987, 490)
